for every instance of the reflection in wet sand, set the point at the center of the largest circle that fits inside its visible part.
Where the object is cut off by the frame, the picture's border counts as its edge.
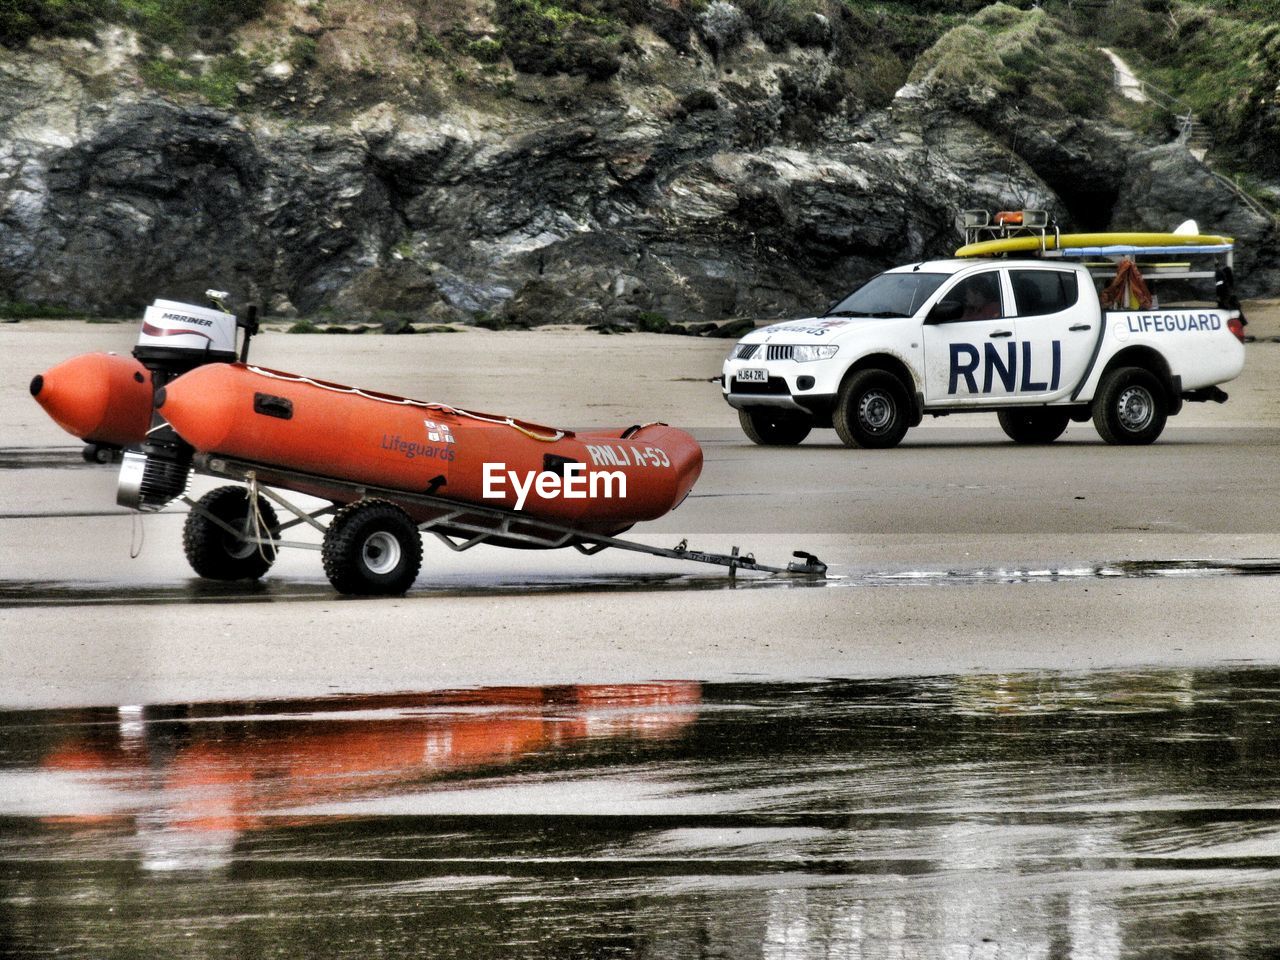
(214, 771)
(1034, 815)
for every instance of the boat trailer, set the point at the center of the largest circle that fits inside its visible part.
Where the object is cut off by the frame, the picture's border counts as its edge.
(459, 526)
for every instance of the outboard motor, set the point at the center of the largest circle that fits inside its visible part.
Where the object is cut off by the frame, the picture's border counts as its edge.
(175, 338)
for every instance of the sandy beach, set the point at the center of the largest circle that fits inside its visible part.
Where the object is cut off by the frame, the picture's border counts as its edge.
(957, 552)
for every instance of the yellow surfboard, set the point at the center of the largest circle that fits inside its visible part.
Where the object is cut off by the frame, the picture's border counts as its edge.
(1069, 241)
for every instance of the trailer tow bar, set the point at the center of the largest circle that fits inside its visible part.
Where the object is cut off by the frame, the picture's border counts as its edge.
(805, 564)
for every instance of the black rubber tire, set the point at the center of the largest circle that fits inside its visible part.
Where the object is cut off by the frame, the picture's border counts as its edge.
(774, 428)
(1035, 425)
(871, 410)
(1131, 407)
(217, 555)
(372, 549)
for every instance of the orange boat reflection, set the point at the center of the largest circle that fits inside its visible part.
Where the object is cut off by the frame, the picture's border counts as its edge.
(232, 768)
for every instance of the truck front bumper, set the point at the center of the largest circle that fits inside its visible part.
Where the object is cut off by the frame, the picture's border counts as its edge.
(799, 387)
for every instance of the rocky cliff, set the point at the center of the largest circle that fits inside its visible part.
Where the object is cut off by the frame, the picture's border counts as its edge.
(682, 162)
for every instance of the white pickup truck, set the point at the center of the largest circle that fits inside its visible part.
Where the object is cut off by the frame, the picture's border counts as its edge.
(1027, 339)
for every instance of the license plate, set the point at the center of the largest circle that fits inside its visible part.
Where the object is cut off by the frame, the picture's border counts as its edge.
(755, 375)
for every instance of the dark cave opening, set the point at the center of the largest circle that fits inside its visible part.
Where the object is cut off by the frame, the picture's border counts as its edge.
(1088, 210)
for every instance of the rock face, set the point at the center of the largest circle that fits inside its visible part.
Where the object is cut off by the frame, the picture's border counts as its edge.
(697, 198)
(1168, 178)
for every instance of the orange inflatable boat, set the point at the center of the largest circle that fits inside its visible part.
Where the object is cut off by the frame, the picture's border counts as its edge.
(390, 468)
(596, 481)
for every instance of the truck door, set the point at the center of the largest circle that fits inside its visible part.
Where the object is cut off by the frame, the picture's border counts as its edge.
(970, 353)
(1056, 331)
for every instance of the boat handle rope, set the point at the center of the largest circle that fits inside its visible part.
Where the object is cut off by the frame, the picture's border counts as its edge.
(635, 428)
(500, 421)
(406, 402)
(256, 520)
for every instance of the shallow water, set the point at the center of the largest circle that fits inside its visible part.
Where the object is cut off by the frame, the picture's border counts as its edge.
(275, 589)
(1034, 815)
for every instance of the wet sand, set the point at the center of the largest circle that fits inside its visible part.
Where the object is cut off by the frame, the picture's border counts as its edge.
(967, 529)
(1000, 815)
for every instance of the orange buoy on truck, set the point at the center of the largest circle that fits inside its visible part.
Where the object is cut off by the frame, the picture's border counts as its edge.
(602, 481)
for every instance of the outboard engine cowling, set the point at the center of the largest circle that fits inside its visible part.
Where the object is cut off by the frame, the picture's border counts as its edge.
(175, 338)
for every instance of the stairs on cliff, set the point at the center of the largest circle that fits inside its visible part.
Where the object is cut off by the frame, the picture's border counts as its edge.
(1192, 132)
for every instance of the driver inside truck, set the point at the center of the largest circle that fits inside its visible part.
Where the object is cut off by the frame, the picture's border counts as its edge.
(981, 297)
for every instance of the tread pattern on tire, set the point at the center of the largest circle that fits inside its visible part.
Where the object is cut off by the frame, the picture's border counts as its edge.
(206, 544)
(344, 542)
(1105, 418)
(844, 417)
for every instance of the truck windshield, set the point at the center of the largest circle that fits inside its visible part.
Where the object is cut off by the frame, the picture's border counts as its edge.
(889, 295)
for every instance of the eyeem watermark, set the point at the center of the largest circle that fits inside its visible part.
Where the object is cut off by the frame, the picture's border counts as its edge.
(574, 484)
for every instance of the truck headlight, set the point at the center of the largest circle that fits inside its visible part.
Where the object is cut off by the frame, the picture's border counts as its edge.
(817, 351)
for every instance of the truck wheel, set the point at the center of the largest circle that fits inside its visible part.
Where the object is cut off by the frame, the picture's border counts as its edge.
(216, 554)
(1033, 426)
(771, 428)
(871, 410)
(1131, 407)
(372, 548)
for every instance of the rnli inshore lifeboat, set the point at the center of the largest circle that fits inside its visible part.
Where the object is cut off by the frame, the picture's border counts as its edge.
(603, 482)
(390, 467)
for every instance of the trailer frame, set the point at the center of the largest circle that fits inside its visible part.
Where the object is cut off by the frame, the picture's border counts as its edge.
(458, 525)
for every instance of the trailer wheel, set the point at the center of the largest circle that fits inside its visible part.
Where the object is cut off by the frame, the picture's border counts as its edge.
(1131, 407)
(372, 548)
(1033, 426)
(774, 428)
(871, 410)
(216, 554)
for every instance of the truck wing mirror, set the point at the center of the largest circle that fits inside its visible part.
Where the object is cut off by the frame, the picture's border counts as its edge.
(944, 311)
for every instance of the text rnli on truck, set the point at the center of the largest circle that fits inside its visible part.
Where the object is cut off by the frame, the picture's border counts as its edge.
(966, 358)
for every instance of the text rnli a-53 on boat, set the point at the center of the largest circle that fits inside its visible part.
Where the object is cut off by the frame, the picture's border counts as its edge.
(389, 467)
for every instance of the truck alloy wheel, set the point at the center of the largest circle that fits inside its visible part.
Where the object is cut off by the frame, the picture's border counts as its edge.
(871, 410)
(1131, 407)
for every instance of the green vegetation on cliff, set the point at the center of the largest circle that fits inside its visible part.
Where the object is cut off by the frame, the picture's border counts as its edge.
(1221, 59)
(576, 37)
(21, 20)
(166, 21)
(1018, 54)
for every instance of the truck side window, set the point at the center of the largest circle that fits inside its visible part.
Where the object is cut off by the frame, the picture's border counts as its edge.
(1041, 292)
(979, 295)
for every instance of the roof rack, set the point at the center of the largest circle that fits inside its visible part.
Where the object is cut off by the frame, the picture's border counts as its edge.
(979, 225)
(1188, 259)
